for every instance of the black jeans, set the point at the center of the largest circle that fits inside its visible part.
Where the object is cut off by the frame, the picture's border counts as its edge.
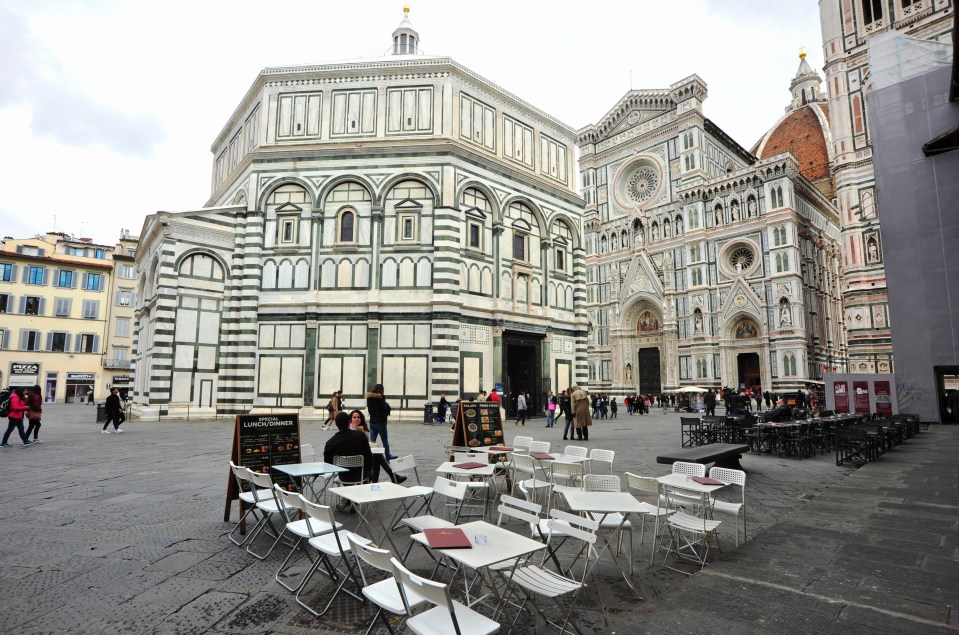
(521, 417)
(115, 419)
(34, 427)
(569, 424)
(14, 423)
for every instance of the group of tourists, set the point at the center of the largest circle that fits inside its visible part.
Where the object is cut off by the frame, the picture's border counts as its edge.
(17, 403)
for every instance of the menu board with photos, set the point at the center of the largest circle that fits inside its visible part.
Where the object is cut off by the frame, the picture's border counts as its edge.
(261, 441)
(478, 424)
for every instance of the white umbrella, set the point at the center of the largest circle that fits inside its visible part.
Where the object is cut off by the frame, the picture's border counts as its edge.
(691, 389)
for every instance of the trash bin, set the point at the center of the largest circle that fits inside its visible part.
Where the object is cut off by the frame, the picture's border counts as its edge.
(101, 413)
(428, 413)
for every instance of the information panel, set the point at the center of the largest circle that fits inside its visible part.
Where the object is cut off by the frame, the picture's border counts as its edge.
(261, 441)
(478, 424)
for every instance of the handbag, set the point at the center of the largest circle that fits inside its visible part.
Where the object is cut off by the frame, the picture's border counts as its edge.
(34, 415)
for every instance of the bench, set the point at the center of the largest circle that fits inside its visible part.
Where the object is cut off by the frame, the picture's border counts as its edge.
(722, 454)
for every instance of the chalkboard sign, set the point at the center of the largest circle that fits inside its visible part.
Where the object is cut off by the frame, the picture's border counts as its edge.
(478, 424)
(261, 441)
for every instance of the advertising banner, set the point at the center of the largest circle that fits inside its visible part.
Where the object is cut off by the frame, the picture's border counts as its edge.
(883, 398)
(861, 392)
(841, 394)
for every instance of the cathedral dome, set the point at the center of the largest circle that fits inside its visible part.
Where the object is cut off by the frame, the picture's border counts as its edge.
(803, 131)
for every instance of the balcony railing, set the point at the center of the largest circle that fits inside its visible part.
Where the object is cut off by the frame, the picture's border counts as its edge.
(116, 363)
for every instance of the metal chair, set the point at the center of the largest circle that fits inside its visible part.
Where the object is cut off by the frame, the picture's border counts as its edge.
(597, 456)
(385, 594)
(690, 536)
(731, 477)
(648, 488)
(248, 496)
(610, 483)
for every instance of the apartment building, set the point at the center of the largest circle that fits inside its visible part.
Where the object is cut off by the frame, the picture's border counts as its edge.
(58, 296)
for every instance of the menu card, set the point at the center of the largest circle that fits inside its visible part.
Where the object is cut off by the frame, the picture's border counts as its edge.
(447, 538)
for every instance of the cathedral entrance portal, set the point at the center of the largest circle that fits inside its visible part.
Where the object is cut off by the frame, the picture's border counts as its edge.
(522, 371)
(748, 365)
(649, 377)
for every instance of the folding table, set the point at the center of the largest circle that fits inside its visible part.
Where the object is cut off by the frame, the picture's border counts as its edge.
(365, 499)
(309, 472)
(603, 504)
(501, 545)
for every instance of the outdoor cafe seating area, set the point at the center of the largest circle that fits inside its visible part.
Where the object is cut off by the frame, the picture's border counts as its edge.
(495, 538)
(854, 438)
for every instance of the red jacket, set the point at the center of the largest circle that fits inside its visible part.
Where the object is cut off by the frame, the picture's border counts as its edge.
(17, 406)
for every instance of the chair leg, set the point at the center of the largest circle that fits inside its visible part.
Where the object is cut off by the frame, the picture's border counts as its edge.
(298, 546)
(240, 543)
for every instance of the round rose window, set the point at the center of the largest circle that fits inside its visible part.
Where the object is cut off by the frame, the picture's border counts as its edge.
(642, 184)
(741, 258)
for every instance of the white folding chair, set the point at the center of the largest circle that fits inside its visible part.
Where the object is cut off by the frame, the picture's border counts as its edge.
(576, 450)
(476, 486)
(535, 581)
(332, 548)
(679, 497)
(452, 494)
(529, 471)
(385, 594)
(610, 483)
(356, 460)
(303, 528)
(647, 490)
(731, 477)
(597, 456)
(565, 477)
(248, 496)
(447, 616)
(407, 464)
(521, 444)
(689, 469)
(268, 508)
(690, 535)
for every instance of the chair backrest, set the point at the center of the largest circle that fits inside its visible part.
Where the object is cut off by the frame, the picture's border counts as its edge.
(642, 486)
(260, 480)
(539, 446)
(433, 592)
(690, 421)
(572, 471)
(601, 483)
(602, 456)
(524, 489)
(576, 450)
(464, 457)
(524, 463)
(689, 469)
(289, 502)
(241, 475)
(376, 558)
(573, 526)
(355, 460)
(728, 475)
(449, 489)
(307, 453)
(519, 509)
(405, 464)
(320, 513)
(522, 443)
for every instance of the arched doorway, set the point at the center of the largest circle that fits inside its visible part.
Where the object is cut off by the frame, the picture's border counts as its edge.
(748, 366)
(649, 334)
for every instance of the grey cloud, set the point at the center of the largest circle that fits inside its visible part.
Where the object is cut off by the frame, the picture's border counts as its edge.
(60, 110)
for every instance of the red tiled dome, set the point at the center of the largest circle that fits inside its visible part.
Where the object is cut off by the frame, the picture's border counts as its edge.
(803, 133)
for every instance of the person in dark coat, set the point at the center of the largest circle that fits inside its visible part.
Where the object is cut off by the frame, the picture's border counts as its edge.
(379, 413)
(34, 412)
(709, 401)
(114, 412)
(347, 442)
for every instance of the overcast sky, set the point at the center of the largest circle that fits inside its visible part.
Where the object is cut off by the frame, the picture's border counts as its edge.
(108, 108)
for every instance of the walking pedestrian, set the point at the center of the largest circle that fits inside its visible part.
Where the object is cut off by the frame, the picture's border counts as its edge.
(114, 412)
(551, 402)
(379, 413)
(612, 408)
(332, 407)
(18, 406)
(34, 412)
(566, 407)
(521, 408)
(581, 413)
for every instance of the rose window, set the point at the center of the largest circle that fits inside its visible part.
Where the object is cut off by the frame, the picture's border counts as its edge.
(741, 258)
(642, 184)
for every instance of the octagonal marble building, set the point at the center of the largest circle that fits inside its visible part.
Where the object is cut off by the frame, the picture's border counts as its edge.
(400, 220)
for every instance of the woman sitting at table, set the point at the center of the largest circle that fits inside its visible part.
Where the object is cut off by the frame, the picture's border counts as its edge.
(358, 422)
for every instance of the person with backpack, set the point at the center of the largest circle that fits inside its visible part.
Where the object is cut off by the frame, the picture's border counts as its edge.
(15, 405)
(114, 412)
(34, 412)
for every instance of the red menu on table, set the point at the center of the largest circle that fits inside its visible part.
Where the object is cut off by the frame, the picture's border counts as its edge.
(447, 538)
(705, 480)
(470, 465)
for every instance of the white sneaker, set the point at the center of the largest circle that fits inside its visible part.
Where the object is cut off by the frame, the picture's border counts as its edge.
(119, 430)
(104, 432)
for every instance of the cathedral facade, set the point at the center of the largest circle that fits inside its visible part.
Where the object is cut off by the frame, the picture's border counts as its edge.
(401, 221)
(705, 265)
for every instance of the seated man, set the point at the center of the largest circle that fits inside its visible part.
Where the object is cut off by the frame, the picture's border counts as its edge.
(347, 442)
(779, 413)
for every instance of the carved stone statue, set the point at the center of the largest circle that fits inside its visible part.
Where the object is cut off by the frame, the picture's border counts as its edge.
(698, 323)
(785, 319)
(629, 372)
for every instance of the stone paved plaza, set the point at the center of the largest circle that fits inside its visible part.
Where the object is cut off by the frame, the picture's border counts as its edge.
(124, 534)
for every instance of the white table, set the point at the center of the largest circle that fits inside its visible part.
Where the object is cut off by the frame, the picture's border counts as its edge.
(501, 545)
(603, 504)
(366, 497)
(309, 472)
(449, 467)
(681, 481)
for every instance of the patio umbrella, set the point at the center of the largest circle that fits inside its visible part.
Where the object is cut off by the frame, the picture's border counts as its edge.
(691, 389)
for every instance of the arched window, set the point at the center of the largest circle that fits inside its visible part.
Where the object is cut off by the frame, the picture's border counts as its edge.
(857, 114)
(347, 231)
